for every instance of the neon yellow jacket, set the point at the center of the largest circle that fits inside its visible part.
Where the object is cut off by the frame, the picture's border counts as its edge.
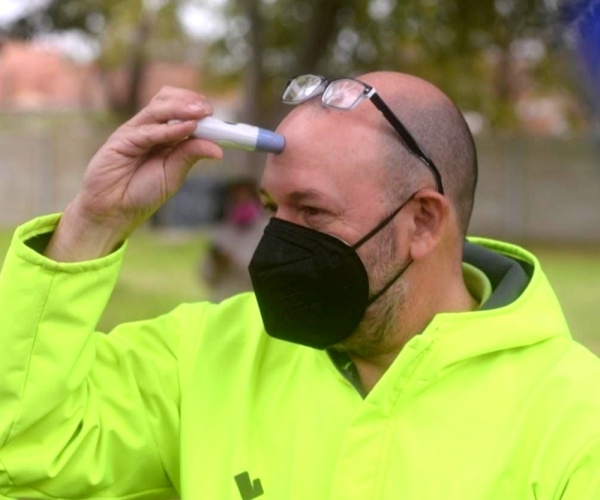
(499, 404)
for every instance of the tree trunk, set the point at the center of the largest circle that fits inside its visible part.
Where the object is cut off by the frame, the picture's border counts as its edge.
(250, 112)
(126, 101)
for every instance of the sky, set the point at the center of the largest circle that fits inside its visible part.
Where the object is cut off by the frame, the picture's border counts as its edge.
(71, 44)
(11, 9)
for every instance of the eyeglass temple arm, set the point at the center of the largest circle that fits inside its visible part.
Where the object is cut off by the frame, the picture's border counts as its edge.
(407, 138)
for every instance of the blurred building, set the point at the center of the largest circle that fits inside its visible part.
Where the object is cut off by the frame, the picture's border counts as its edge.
(37, 77)
(34, 77)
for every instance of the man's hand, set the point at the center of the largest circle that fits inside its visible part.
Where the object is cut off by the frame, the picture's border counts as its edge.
(142, 164)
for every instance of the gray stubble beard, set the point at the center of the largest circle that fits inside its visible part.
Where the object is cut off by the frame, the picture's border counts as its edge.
(379, 325)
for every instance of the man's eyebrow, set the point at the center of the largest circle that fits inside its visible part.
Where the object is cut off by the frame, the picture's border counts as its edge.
(297, 196)
(305, 195)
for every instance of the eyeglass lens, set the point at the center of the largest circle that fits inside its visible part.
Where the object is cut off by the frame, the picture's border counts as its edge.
(343, 94)
(302, 88)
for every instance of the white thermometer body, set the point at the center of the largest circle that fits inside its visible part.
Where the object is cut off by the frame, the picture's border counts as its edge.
(239, 135)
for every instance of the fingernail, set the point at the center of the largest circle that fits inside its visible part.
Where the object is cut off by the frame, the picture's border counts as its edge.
(200, 106)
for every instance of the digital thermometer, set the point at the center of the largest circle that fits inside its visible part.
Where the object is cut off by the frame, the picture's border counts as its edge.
(239, 135)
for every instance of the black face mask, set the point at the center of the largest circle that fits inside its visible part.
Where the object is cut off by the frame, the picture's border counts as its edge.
(311, 287)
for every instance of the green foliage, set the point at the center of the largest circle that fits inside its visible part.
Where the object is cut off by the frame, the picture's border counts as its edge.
(476, 50)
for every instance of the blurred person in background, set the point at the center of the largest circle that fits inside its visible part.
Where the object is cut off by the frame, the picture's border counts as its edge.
(224, 268)
(381, 356)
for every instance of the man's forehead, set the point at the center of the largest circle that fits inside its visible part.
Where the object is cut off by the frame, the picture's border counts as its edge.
(331, 186)
(327, 152)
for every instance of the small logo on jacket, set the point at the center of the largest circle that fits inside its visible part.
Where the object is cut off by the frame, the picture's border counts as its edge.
(249, 489)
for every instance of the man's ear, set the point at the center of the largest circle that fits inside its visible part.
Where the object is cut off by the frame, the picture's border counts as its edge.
(430, 216)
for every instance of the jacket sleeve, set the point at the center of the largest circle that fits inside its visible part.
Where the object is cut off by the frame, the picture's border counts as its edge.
(583, 481)
(82, 414)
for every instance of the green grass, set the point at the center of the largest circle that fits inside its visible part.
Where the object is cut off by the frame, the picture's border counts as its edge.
(160, 272)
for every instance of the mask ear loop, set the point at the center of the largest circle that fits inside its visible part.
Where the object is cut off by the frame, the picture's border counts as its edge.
(389, 283)
(382, 224)
(372, 233)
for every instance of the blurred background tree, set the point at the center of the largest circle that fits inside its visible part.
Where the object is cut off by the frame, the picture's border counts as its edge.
(479, 51)
(127, 35)
(483, 53)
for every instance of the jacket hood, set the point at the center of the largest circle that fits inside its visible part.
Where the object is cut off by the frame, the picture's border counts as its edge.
(521, 311)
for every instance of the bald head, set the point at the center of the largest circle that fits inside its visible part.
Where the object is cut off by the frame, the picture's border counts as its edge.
(362, 145)
(440, 130)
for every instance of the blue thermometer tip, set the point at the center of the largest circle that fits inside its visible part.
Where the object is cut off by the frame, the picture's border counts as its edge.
(270, 142)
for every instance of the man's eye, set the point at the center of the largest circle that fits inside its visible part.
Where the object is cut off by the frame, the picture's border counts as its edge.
(312, 211)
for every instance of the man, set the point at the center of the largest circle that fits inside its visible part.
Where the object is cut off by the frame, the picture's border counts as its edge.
(394, 366)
